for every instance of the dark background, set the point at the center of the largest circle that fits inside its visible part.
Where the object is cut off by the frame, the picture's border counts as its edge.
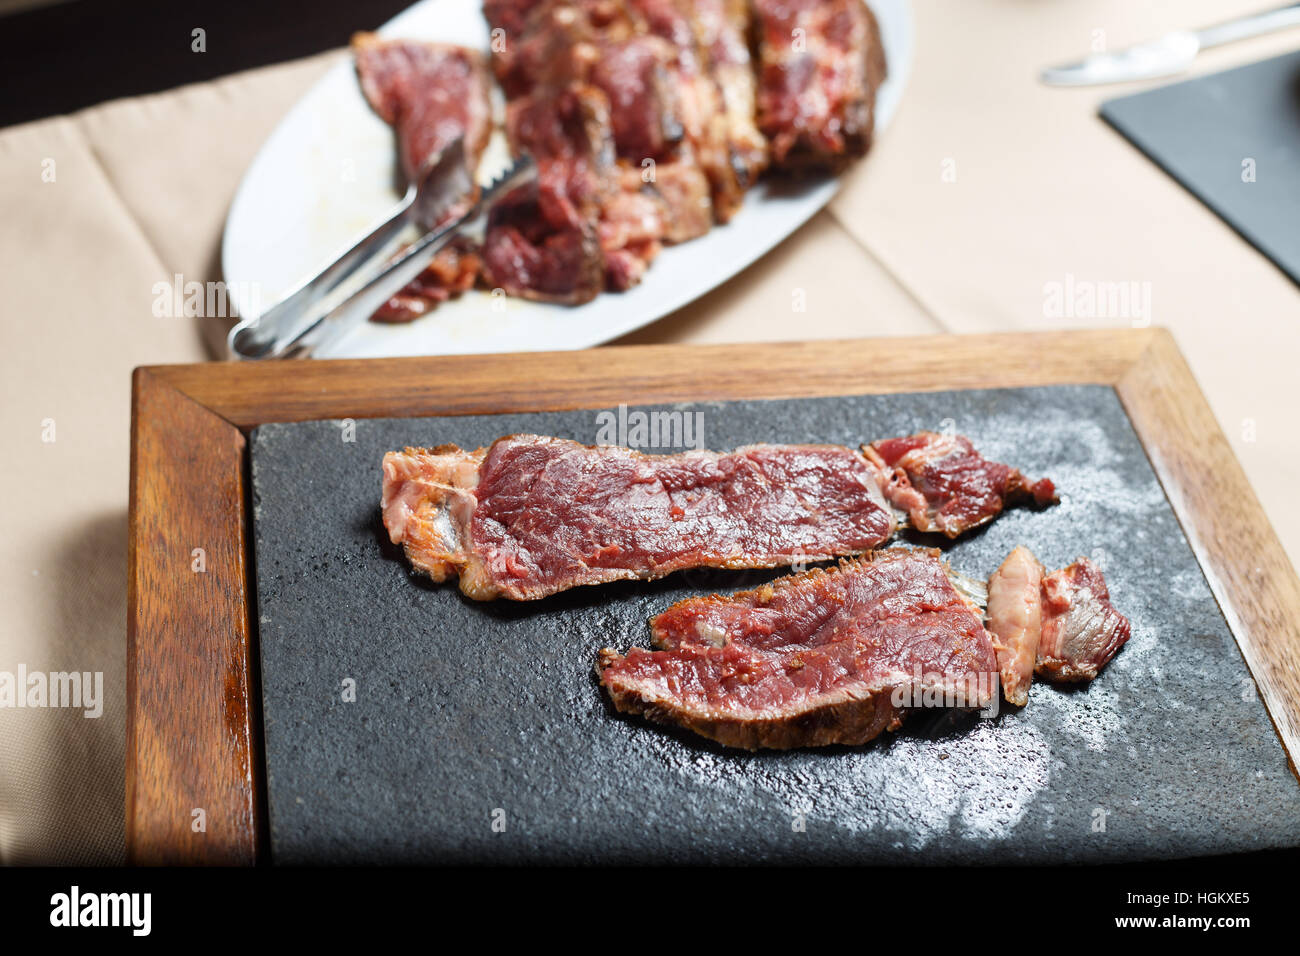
(65, 56)
(512, 907)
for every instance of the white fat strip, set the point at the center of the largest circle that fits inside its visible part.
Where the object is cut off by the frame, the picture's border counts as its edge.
(712, 634)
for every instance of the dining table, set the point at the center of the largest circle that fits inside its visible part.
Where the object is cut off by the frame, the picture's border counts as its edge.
(988, 194)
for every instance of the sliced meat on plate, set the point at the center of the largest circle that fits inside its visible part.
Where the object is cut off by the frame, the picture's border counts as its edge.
(724, 27)
(544, 245)
(701, 107)
(430, 93)
(665, 115)
(820, 64)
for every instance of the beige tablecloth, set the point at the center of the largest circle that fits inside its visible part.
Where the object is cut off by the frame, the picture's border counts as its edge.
(985, 191)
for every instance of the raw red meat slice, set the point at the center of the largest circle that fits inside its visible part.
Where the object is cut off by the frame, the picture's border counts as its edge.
(430, 93)
(530, 516)
(945, 485)
(821, 62)
(1082, 630)
(824, 657)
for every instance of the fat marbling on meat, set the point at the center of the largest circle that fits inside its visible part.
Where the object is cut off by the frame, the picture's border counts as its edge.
(820, 65)
(1082, 630)
(1060, 626)
(824, 657)
(945, 485)
(1015, 619)
(530, 515)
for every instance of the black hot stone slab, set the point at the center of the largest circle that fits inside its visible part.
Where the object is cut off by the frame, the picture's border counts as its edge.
(469, 715)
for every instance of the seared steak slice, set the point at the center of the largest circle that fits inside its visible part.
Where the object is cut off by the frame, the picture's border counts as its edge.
(636, 75)
(509, 17)
(602, 43)
(667, 117)
(631, 228)
(723, 27)
(1081, 628)
(824, 657)
(640, 217)
(700, 104)
(1015, 619)
(530, 516)
(568, 133)
(945, 485)
(683, 189)
(820, 64)
(545, 246)
(524, 258)
(587, 92)
(453, 270)
(430, 93)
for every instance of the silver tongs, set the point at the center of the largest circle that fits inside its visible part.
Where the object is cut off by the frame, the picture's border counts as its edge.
(323, 308)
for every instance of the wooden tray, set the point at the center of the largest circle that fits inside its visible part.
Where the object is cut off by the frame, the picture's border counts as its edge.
(193, 734)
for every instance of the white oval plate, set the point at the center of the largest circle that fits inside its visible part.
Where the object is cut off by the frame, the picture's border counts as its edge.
(328, 173)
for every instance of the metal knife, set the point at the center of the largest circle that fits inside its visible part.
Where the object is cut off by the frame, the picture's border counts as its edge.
(1169, 54)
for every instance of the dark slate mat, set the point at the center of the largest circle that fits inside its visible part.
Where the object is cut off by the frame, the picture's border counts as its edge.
(1201, 132)
(464, 709)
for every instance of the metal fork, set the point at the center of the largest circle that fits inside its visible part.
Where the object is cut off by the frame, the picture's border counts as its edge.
(323, 308)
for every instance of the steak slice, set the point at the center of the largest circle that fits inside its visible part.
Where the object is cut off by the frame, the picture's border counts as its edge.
(586, 93)
(945, 485)
(1015, 619)
(636, 74)
(724, 27)
(530, 516)
(430, 93)
(625, 159)
(701, 107)
(1082, 630)
(820, 64)
(543, 244)
(824, 657)
(525, 259)
(453, 270)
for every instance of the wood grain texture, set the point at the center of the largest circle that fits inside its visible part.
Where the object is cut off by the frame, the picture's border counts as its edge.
(249, 394)
(190, 731)
(193, 727)
(1243, 560)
